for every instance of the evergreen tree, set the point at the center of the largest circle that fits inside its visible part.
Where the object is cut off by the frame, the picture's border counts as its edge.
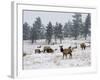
(42, 31)
(60, 32)
(33, 34)
(56, 32)
(49, 32)
(37, 26)
(87, 26)
(26, 31)
(36, 30)
(77, 22)
(67, 29)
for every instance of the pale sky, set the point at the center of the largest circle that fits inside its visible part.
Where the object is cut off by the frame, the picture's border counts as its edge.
(60, 17)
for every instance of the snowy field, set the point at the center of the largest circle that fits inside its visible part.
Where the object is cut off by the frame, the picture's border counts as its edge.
(55, 60)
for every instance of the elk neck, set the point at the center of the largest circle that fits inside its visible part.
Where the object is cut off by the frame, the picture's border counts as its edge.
(61, 49)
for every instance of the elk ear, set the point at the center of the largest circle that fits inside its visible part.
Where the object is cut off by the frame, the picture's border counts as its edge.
(69, 46)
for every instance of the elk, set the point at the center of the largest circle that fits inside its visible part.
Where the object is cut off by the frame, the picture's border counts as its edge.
(48, 49)
(83, 46)
(37, 51)
(66, 51)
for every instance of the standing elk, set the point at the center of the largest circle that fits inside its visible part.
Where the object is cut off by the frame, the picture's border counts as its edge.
(83, 46)
(66, 51)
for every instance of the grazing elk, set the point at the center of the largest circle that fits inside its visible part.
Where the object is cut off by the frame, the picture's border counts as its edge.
(48, 49)
(37, 51)
(83, 46)
(66, 51)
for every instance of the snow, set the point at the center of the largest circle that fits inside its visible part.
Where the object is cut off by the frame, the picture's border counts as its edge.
(55, 60)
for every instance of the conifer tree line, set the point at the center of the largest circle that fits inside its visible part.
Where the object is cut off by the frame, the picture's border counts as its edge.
(71, 29)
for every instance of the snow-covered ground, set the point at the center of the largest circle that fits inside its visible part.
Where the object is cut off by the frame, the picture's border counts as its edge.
(55, 60)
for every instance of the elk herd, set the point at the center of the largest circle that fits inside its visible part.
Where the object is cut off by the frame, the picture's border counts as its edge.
(65, 51)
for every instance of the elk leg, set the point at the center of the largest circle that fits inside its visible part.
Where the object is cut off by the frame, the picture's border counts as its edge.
(35, 52)
(66, 56)
(70, 55)
(84, 48)
(39, 51)
(43, 51)
(63, 56)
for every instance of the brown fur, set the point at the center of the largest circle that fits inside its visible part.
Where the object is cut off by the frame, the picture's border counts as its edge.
(66, 52)
(83, 46)
(48, 50)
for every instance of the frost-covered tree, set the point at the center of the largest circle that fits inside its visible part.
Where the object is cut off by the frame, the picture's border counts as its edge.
(67, 29)
(77, 22)
(49, 32)
(56, 32)
(26, 31)
(36, 32)
(38, 25)
(60, 32)
(42, 31)
(87, 26)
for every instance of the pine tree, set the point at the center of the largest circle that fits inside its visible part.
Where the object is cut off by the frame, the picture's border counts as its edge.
(87, 26)
(77, 22)
(49, 32)
(68, 29)
(56, 32)
(38, 25)
(26, 31)
(36, 30)
(60, 32)
(33, 34)
(42, 31)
